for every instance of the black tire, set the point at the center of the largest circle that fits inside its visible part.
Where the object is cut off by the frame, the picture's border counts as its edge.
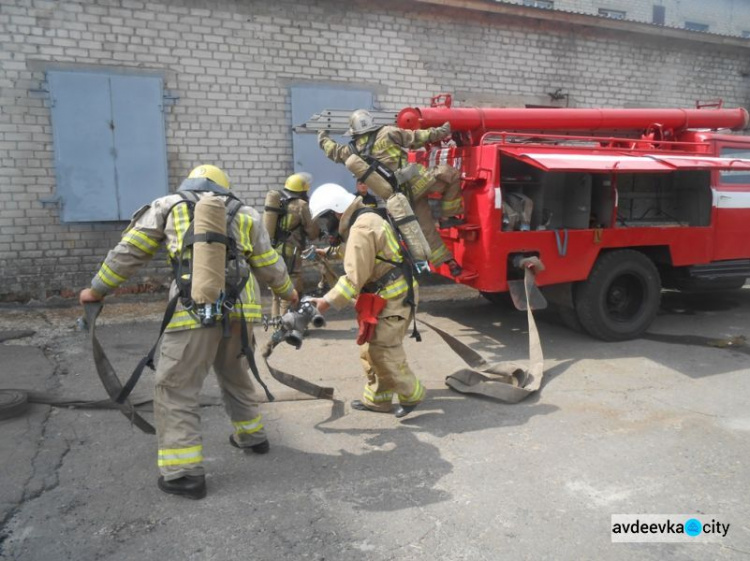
(569, 318)
(12, 403)
(500, 299)
(621, 297)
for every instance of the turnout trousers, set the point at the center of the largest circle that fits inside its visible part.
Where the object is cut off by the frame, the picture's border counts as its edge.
(185, 359)
(384, 362)
(442, 180)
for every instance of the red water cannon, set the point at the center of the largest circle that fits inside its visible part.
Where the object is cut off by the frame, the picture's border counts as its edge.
(480, 120)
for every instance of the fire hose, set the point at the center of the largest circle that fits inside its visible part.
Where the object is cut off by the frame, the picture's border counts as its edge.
(15, 402)
(508, 382)
(107, 374)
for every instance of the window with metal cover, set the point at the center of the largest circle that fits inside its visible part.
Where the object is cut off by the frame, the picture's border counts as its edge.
(659, 15)
(695, 26)
(109, 143)
(548, 4)
(613, 14)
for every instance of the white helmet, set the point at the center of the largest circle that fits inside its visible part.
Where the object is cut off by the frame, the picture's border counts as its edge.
(360, 122)
(330, 196)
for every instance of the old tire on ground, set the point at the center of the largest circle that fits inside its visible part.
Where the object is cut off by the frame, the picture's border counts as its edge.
(12, 403)
(621, 297)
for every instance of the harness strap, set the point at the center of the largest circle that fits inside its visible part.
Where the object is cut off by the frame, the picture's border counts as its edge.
(375, 165)
(367, 150)
(379, 284)
(207, 237)
(405, 220)
(249, 353)
(407, 270)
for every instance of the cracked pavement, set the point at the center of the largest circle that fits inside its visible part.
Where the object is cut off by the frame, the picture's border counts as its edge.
(656, 425)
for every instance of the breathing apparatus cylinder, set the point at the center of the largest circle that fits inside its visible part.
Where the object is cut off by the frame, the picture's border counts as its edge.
(272, 212)
(399, 208)
(375, 182)
(209, 258)
(396, 204)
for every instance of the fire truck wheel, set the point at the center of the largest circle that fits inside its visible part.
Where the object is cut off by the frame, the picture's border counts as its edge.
(569, 318)
(500, 299)
(621, 297)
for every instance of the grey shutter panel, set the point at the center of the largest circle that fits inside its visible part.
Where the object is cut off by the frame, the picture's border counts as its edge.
(140, 147)
(82, 136)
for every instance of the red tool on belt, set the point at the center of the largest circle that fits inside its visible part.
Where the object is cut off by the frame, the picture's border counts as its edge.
(368, 307)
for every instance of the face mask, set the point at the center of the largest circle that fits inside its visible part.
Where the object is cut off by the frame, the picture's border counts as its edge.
(329, 227)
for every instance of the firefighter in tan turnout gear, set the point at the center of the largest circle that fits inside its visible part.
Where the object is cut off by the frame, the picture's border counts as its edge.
(387, 145)
(190, 346)
(287, 218)
(375, 282)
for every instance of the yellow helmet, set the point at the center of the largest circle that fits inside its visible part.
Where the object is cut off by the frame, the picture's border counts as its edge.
(298, 182)
(207, 171)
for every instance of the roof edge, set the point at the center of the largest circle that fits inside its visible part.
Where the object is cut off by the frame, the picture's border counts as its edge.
(591, 20)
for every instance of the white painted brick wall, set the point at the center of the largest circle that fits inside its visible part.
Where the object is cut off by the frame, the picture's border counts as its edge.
(230, 63)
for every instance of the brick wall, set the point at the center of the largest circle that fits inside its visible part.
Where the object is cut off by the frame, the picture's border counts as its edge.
(230, 67)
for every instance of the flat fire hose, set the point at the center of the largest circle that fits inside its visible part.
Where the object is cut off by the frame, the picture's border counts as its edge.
(107, 373)
(508, 382)
(318, 392)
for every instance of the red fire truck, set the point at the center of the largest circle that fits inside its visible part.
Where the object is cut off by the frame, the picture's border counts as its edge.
(617, 203)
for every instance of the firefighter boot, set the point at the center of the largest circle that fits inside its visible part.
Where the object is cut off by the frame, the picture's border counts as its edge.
(454, 267)
(260, 448)
(404, 410)
(189, 486)
(360, 406)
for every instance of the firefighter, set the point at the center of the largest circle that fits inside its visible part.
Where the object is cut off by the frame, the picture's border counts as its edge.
(290, 225)
(374, 281)
(188, 350)
(368, 199)
(388, 145)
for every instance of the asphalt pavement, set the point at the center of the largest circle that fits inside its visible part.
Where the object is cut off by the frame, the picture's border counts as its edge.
(657, 425)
